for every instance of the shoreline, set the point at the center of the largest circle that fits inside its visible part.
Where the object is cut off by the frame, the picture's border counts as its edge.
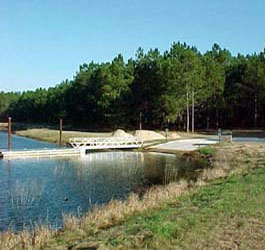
(52, 135)
(95, 228)
(3, 126)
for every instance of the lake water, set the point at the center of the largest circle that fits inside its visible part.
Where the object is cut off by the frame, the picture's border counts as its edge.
(19, 143)
(40, 190)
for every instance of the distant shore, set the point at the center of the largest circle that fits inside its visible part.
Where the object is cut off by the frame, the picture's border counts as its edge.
(3, 125)
(52, 135)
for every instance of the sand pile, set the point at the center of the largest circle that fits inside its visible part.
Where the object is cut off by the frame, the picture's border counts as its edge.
(120, 133)
(148, 135)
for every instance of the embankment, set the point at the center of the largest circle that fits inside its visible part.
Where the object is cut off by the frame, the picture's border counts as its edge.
(222, 208)
(51, 135)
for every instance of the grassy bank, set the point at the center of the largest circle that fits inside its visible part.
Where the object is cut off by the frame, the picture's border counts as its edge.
(51, 135)
(3, 125)
(228, 214)
(222, 209)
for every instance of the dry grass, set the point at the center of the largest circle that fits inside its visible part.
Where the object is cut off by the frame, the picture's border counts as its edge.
(116, 211)
(3, 125)
(187, 135)
(113, 213)
(229, 159)
(26, 239)
(235, 233)
(235, 158)
(53, 135)
(102, 217)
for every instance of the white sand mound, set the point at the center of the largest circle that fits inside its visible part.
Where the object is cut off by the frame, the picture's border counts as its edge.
(120, 133)
(148, 135)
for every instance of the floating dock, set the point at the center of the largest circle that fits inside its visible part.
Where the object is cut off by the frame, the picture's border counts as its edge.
(80, 147)
(40, 153)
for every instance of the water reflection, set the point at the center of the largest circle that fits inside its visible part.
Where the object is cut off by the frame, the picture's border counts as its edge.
(36, 190)
(21, 143)
(25, 194)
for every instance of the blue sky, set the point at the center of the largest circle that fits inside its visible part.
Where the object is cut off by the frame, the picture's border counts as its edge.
(43, 42)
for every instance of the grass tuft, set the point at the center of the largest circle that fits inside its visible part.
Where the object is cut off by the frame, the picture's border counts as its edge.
(208, 151)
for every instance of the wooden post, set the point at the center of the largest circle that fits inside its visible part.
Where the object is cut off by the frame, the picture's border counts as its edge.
(9, 134)
(61, 131)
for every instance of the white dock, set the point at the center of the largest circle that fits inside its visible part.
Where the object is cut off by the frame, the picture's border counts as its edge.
(41, 153)
(85, 144)
(80, 147)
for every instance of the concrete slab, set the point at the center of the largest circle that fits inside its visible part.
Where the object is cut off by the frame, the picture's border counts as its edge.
(187, 144)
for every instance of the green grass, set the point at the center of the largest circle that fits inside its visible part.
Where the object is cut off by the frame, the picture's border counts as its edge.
(209, 151)
(200, 220)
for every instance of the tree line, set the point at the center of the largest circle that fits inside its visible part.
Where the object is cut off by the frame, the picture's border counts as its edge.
(181, 88)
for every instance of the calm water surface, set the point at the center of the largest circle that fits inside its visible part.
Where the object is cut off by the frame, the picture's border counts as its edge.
(40, 190)
(19, 143)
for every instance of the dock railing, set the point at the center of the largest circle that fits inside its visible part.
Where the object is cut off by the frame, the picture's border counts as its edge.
(106, 142)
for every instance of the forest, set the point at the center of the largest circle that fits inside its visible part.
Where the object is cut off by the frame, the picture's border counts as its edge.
(181, 88)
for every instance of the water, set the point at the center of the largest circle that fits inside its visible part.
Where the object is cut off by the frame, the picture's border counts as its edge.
(40, 190)
(249, 139)
(19, 143)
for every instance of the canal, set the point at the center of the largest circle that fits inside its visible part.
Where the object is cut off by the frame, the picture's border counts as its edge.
(37, 191)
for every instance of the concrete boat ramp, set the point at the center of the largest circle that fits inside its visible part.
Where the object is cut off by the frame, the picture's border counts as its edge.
(184, 145)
